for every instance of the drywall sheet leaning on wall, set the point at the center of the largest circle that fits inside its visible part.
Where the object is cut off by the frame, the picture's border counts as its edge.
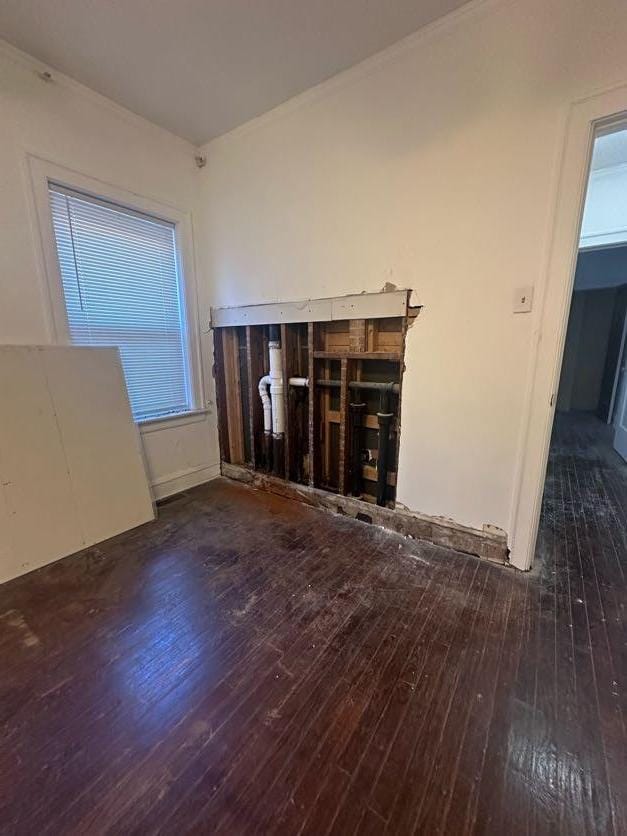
(71, 466)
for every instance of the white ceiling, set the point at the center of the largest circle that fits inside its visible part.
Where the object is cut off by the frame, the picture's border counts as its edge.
(202, 67)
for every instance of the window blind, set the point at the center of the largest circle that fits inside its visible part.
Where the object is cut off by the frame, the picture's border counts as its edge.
(121, 287)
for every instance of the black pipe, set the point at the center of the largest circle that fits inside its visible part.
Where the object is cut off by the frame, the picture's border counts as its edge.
(278, 460)
(267, 451)
(384, 416)
(274, 333)
(356, 410)
(299, 394)
(362, 384)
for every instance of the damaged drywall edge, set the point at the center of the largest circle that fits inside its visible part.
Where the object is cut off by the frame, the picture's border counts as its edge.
(413, 309)
(389, 303)
(487, 530)
(410, 524)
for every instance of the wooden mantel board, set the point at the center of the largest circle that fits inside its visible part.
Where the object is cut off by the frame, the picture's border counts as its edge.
(359, 306)
(441, 532)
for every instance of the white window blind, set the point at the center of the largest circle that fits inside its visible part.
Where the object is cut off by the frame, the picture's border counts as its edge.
(122, 287)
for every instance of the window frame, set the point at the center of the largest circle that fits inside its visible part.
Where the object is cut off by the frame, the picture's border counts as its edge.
(43, 174)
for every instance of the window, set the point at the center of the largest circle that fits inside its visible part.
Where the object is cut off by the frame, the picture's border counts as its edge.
(122, 287)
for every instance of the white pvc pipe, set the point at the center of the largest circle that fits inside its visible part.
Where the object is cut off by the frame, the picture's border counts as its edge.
(298, 381)
(267, 403)
(276, 388)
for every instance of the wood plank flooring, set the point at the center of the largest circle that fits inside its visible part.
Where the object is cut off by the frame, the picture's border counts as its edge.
(249, 665)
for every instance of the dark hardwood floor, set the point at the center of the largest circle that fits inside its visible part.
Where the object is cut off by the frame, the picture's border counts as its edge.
(246, 664)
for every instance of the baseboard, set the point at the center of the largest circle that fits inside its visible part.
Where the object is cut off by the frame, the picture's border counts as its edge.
(441, 532)
(184, 480)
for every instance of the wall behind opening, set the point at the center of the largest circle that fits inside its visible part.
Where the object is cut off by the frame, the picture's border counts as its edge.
(67, 124)
(585, 351)
(601, 268)
(432, 166)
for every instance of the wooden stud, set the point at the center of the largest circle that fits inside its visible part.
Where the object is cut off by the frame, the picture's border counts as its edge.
(290, 364)
(396, 427)
(344, 454)
(218, 374)
(325, 429)
(230, 348)
(370, 335)
(254, 361)
(314, 409)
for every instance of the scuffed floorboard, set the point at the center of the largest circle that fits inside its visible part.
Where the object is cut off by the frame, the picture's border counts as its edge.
(247, 664)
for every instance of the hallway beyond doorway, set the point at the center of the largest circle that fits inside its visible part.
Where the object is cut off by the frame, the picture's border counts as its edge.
(584, 508)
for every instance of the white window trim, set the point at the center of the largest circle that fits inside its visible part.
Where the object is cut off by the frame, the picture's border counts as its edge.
(42, 173)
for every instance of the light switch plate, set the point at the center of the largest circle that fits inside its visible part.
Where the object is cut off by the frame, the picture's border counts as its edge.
(523, 299)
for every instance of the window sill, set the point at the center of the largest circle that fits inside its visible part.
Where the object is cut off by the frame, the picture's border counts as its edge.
(163, 422)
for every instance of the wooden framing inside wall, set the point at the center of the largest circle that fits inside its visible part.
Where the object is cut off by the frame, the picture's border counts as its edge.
(317, 440)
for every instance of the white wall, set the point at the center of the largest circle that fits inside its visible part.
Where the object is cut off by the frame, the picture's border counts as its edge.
(73, 127)
(432, 166)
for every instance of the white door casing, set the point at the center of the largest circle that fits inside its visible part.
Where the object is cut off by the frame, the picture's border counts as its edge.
(620, 419)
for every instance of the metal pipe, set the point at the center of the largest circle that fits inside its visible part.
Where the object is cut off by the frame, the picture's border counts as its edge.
(384, 417)
(362, 384)
(373, 384)
(267, 451)
(356, 411)
(278, 460)
(353, 384)
(298, 396)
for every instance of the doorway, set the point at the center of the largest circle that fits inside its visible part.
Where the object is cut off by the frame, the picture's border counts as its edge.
(587, 118)
(585, 492)
(593, 377)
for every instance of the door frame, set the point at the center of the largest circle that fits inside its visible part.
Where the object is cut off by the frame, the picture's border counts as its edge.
(586, 118)
(617, 374)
